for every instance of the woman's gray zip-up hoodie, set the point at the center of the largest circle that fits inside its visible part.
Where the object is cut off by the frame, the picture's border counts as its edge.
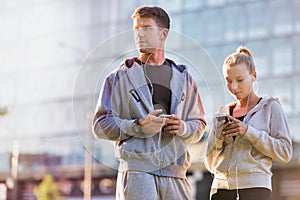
(267, 139)
(126, 96)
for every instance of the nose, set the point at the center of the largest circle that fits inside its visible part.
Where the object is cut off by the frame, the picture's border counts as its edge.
(139, 32)
(234, 85)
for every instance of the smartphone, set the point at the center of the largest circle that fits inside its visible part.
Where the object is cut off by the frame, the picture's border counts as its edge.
(221, 118)
(165, 116)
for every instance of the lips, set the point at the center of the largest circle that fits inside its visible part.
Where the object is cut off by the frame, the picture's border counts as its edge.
(141, 41)
(142, 44)
(237, 93)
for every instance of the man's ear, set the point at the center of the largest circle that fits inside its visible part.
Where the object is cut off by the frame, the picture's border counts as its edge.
(164, 33)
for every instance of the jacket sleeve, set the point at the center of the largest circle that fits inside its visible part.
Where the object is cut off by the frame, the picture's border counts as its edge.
(214, 145)
(107, 124)
(277, 143)
(194, 120)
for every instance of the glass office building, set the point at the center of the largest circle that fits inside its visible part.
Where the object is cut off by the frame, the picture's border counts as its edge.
(45, 45)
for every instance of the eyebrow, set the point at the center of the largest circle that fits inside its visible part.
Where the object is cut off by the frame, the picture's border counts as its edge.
(144, 26)
(240, 76)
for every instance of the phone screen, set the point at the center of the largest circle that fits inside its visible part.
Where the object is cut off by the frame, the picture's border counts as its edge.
(221, 118)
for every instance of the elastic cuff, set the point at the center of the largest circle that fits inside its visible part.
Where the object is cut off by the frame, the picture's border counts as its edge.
(184, 129)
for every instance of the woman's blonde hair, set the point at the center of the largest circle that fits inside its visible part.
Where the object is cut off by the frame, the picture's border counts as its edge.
(242, 55)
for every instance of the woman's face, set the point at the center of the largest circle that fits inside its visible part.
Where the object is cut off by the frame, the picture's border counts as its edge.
(239, 81)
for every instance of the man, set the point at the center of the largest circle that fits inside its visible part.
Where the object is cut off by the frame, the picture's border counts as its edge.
(151, 147)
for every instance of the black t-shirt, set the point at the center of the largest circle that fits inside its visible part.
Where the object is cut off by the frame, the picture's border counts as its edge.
(159, 77)
(241, 118)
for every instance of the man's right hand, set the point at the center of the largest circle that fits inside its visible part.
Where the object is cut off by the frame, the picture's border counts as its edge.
(152, 123)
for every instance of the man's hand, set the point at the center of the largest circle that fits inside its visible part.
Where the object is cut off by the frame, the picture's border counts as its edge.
(152, 124)
(174, 125)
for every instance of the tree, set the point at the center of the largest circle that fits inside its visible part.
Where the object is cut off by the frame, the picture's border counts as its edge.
(47, 189)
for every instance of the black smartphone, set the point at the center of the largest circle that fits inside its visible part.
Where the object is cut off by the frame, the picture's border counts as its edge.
(221, 118)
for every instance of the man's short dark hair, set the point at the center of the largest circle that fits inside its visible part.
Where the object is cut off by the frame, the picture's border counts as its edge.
(158, 14)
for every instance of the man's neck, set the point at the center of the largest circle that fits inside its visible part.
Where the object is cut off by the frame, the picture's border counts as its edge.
(152, 59)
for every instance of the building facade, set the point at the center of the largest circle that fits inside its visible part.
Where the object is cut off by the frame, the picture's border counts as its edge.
(49, 50)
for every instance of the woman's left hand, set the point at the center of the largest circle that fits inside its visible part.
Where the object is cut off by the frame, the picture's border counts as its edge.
(235, 127)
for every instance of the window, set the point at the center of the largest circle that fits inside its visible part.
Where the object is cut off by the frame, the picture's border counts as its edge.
(217, 55)
(258, 22)
(263, 87)
(213, 21)
(192, 4)
(297, 95)
(261, 56)
(282, 56)
(235, 28)
(176, 23)
(176, 5)
(194, 25)
(282, 17)
(297, 15)
(126, 9)
(282, 89)
(98, 11)
(215, 2)
(296, 42)
(232, 1)
(295, 128)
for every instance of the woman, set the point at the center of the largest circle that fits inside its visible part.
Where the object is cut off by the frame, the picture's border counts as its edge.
(242, 146)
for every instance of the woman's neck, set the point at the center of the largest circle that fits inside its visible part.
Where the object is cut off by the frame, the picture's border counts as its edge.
(251, 99)
(244, 106)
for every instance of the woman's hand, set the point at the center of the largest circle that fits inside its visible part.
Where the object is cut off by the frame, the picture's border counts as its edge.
(234, 127)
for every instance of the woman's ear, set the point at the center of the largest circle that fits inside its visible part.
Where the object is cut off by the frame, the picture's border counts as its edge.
(253, 76)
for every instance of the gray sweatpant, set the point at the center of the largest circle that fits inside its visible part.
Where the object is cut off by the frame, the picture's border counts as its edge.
(145, 186)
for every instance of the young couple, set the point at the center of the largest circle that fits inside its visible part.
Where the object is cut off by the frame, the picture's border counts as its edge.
(153, 148)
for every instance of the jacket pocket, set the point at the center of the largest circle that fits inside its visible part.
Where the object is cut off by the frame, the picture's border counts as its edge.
(246, 163)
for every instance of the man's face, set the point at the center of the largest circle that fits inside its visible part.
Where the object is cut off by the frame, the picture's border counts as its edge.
(148, 36)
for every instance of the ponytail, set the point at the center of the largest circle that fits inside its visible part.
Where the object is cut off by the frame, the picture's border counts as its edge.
(242, 55)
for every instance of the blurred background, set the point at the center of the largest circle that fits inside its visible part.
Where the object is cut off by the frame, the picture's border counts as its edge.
(43, 46)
